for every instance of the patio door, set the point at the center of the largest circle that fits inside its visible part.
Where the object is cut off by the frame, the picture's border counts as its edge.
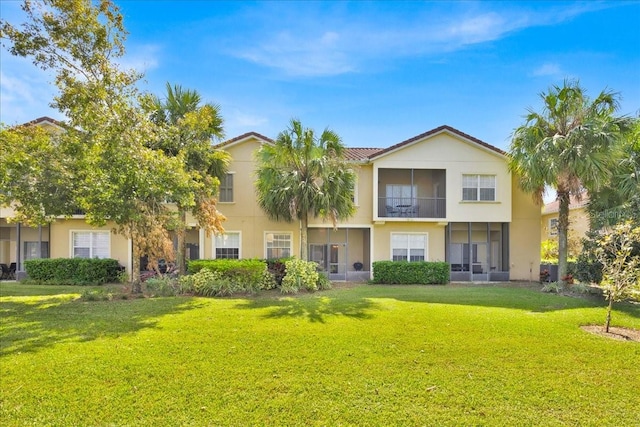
(318, 254)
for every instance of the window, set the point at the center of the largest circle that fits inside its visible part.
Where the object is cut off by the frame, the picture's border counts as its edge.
(278, 245)
(408, 247)
(401, 195)
(227, 246)
(226, 189)
(31, 250)
(553, 226)
(479, 187)
(90, 244)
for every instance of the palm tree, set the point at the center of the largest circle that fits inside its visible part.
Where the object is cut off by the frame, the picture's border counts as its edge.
(566, 146)
(619, 198)
(189, 129)
(301, 175)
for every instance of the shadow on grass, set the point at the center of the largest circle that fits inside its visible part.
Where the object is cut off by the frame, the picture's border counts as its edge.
(314, 308)
(33, 323)
(359, 301)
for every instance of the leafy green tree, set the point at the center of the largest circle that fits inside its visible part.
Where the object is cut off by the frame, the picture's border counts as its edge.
(619, 253)
(189, 130)
(35, 177)
(302, 175)
(117, 177)
(618, 199)
(566, 146)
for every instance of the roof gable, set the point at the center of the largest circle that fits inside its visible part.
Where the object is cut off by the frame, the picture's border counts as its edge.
(242, 139)
(433, 132)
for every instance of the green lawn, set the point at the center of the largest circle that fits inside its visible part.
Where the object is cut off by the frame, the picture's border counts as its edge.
(368, 355)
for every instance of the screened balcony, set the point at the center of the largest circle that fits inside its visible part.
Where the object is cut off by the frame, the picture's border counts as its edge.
(412, 193)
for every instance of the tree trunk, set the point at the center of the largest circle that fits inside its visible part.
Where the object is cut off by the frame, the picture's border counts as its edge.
(609, 307)
(136, 285)
(182, 243)
(304, 247)
(563, 230)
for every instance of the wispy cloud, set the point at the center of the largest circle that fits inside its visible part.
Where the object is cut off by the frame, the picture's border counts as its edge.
(327, 42)
(547, 69)
(141, 58)
(25, 92)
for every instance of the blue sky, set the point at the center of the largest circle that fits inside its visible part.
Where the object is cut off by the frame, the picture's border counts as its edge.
(375, 72)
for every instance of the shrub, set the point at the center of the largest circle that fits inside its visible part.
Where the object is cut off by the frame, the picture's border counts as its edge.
(277, 269)
(300, 275)
(404, 272)
(552, 287)
(161, 287)
(247, 274)
(96, 295)
(73, 271)
(209, 284)
(323, 282)
(268, 281)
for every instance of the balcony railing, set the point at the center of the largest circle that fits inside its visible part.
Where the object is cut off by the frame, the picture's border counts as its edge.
(412, 207)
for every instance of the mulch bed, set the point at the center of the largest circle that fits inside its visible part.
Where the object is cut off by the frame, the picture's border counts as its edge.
(616, 333)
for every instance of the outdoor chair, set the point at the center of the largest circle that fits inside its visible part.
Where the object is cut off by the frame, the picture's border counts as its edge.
(4, 272)
(391, 211)
(12, 271)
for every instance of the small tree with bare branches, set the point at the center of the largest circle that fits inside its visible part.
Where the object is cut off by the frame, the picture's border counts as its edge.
(619, 252)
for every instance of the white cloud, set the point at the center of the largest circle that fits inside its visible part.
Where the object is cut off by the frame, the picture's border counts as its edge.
(238, 122)
(141, 58)
(25, 91)
(325, 43)
(547, 69)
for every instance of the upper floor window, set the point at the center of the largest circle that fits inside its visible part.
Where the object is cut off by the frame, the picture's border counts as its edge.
(227, 245)
(278, 245)
(553, 226)
(479, 187)
(90, 244)
(408, 247)
(226, 188)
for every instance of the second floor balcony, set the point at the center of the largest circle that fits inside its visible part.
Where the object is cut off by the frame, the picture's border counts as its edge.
(411, 193)
(412, 207)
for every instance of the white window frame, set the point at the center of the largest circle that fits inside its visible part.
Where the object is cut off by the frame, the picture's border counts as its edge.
(227, 233)
(233, 195)
(269, 237)
(409, 247)
(92, 234)
(553, 226)
(478, 187)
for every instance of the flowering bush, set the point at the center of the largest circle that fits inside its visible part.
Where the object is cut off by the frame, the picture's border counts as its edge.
(300, 274)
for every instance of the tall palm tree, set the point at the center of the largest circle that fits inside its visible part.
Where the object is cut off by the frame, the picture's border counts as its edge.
(190, 128)
(619, 198)
(566, 146)
(302, 175)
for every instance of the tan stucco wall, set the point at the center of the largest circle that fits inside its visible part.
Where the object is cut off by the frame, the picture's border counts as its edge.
(381, 239)
(61, 246)
(458, 157)
(524, 237)
(578, 224)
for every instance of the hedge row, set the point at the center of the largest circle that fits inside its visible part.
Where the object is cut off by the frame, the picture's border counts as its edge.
(407, 273)
(245, 271)
(73, 271)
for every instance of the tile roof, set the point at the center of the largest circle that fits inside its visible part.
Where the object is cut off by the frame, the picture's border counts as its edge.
(360, 154)
(241, 137)
(43, 119)
(574, 203)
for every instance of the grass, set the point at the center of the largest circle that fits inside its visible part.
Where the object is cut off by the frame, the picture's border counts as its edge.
(368, 355)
